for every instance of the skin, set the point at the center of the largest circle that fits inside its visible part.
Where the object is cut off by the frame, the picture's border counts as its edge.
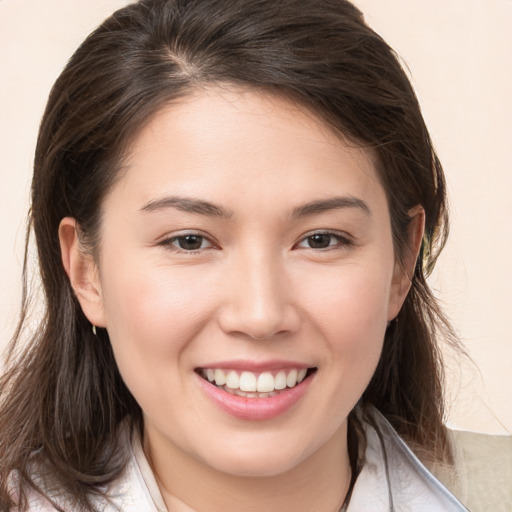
(256, 290)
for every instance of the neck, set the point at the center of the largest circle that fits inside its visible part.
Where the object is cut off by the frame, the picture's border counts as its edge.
(318, 483)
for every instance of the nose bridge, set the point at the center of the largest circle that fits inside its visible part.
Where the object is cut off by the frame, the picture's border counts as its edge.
(258, 300)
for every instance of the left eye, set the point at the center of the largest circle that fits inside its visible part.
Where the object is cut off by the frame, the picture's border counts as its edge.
(190, 242)
(321, 241)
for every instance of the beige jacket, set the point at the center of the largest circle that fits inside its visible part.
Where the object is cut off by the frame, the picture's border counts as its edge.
(483, 477)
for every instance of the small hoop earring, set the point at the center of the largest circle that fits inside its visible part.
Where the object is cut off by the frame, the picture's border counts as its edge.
(94, 329)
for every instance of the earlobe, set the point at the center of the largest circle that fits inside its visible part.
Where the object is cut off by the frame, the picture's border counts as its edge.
(404, 268)
(82, 272)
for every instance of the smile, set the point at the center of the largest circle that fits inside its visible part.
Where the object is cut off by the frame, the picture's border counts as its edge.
(253, 384)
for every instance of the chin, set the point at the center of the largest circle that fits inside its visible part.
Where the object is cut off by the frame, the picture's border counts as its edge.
(267, 467)
(257, 459)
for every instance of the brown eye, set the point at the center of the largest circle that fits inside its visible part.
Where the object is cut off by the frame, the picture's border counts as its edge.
(324, 240)
(321, 240)
(190, 242)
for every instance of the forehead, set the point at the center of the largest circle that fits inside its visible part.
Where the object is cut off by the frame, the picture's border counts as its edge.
(252, 141)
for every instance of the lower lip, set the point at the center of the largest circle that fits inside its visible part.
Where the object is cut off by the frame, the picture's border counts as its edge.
(255, 409)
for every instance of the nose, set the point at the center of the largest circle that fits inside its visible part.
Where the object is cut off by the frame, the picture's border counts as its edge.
(258, 299)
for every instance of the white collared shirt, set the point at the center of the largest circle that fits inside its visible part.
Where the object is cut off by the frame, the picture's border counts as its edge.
(392, 480)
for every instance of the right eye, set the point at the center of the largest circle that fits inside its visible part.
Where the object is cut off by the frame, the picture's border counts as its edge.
(190, 242)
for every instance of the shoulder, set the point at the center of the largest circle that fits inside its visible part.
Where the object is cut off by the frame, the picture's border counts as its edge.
(136, 490)
(35, 501)
(393, 478)
(484, 470)
(128, 493)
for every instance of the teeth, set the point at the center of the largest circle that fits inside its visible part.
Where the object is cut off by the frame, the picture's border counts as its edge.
(280, 381)
(220, 378)
(232, 380)
(291, 380)
(254, 385)
(248, 382)
(266, 383)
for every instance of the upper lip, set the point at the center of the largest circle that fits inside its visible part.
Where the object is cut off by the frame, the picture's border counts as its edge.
(256, 366)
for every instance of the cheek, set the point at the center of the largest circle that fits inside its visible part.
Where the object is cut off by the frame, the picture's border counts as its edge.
(351, 315)
(352, 304)
(357, 337)
(141, 297)
(153, 313)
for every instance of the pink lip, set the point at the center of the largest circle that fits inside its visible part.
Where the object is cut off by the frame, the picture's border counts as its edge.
(255, 366)
(255, 409)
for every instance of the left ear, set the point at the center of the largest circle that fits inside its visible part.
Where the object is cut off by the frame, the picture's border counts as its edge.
(404, 268)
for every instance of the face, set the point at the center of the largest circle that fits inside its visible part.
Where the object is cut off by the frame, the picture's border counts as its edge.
(246, 275)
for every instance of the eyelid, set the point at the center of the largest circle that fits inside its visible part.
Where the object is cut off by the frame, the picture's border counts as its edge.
(343, 238)
(168, 240)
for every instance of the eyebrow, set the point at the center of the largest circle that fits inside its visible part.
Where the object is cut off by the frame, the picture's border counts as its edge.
(189, 205)
(201, 207)
(333, 203)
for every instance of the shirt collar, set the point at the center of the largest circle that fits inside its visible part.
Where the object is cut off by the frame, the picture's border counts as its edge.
(394, 479)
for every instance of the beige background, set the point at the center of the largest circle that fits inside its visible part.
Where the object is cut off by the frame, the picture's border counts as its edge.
(458, 54)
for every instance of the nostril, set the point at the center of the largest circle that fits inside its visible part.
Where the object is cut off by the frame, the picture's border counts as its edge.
(259, 322)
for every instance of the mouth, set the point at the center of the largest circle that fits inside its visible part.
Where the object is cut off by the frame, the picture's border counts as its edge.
(249, 384)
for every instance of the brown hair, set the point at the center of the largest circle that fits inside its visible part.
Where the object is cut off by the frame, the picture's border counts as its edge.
(62, 398)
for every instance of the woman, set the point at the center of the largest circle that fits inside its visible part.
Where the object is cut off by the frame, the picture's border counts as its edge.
(236, 205)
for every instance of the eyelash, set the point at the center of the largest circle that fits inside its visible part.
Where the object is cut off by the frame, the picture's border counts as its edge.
(170, 243)
(341, 242)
